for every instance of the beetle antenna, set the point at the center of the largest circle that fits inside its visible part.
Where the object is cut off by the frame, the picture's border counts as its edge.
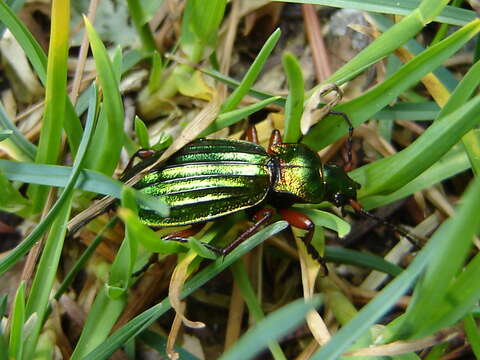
(403, 232)
(348, 158)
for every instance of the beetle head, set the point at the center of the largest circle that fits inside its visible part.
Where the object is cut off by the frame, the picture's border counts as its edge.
(340, 187)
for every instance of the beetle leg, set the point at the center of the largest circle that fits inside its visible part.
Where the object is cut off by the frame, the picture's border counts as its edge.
(251, 134)
(302, 221)
(347, 156)
(261, 217)
(141, 154)
(275, 139)
(184, 234)
(180, 236)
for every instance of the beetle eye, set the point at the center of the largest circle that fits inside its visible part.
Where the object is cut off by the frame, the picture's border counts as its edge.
(339, 199)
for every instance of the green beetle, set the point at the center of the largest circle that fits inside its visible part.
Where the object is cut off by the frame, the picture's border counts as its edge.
(211, 178)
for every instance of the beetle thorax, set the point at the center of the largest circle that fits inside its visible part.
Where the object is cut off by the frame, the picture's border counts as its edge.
(298, 173)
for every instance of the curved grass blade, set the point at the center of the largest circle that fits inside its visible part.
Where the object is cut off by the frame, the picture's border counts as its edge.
(254, 70)
(260, 95)
(21, 249)
(376, 308)
(387, 42)
(454, 162)
(12, 200)
(55, 175)
(38, 299)
(231, 117)
(31, 47)
(145, 319)
(422, 315)
(392, 173)
(345, 256)
(295, 98)
(103, 155)
(159, 343)
(5, 134)
(362, 108)
(274, 326)
(413, 46)
(254, 307)
(55, 94)
(101, 318)
(26, 147)
(140, 20)
(15, 348)
(450, 15)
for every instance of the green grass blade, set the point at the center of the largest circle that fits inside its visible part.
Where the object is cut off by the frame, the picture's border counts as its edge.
(86, 255)
(122, 266)
(368, 261)
(56, 211)
(5, 134)
(54, 175)
(232, 117)
(101, 318)
(414, 47)
(449, 15)
(32, 48)
(27, 149)
(451, 248)
(140, 20)
(362, 108)
(376, 308)
(159, 343)
(409, 111)
(12, 200)
(108, 140)
(142, 133)
(392, 173)
(295, 98)
(47, 266)
(460, 299)
(386, 43)
(15, 348)
(145, 319)
(274, 326)
(247, 81)
(473, 335)
(462, 93)
(241, 279)
(44, 277)
(454, 162)
(55, 94)
(147, 237)
(260, 95)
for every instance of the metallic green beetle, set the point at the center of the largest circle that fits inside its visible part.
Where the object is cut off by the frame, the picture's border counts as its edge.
(211, 178)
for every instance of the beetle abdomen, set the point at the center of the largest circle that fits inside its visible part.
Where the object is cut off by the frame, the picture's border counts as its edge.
(208, 179)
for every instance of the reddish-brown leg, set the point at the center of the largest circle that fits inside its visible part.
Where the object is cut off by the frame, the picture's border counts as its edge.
(260, 218)
(141, 154)
(301, 221)
(275, 139)
(180, 236)
(183, 235)
(251, 134)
